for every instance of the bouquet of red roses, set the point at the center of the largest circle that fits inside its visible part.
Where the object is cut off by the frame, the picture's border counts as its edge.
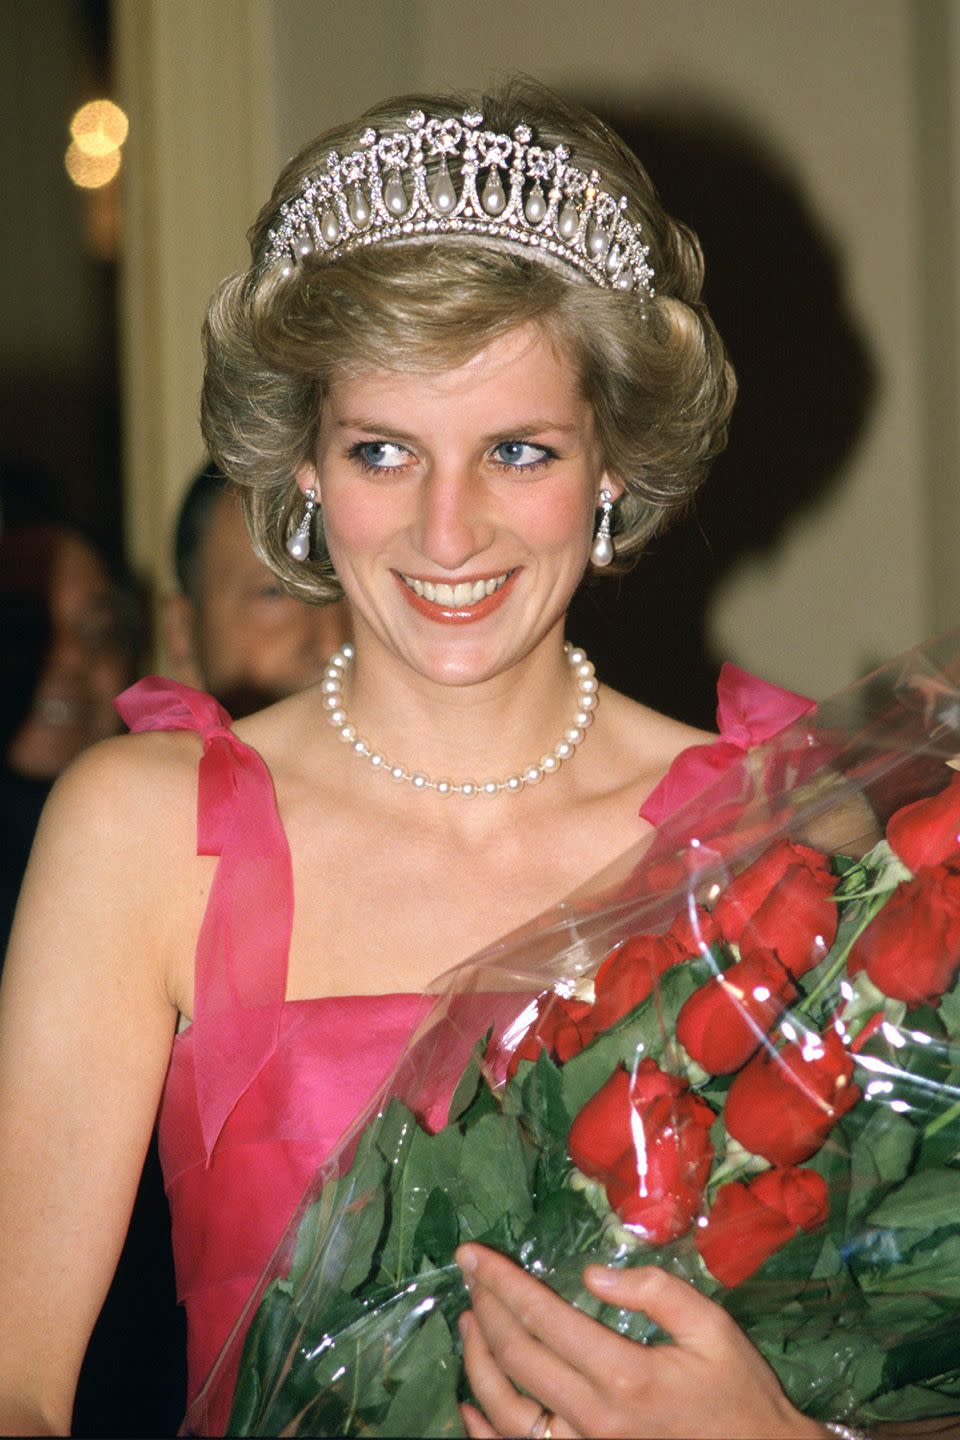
(735, 1054)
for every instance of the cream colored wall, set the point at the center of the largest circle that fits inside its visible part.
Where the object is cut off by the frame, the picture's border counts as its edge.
(197, 83)
(937, 33)
(842, 89)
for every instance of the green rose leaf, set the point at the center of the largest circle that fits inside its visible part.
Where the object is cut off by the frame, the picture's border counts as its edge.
(546, 1116)
(949, 1011)
(493, 1175)
(880, 1156)
(438, 1231)
(265, 1342)
(424, 1163)
(468, 1088)
(925, 1356)
(425, 1402)
(925, 1201)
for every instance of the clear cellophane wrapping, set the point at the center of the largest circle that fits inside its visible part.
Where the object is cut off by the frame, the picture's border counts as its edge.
(767, 960)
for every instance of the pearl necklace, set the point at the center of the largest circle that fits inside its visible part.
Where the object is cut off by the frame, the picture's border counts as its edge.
(565, 748)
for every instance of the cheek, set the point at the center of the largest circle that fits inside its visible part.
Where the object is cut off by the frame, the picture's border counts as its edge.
(555, 520)
(361, 520)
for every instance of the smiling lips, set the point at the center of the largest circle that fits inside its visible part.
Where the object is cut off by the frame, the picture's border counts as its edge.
(456, 604)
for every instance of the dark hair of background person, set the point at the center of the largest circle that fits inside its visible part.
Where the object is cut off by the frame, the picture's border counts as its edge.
(192, 523)
(775, 288)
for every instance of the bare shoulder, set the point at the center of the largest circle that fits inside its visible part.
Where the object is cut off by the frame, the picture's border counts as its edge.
(647, 740)
(114, 871)
(127, 791)
(274, 729)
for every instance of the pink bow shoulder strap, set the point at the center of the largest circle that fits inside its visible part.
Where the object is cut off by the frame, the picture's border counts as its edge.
(244, 942)
(749, 711)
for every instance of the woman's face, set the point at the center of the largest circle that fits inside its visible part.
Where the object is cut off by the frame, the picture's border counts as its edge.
(458, 508)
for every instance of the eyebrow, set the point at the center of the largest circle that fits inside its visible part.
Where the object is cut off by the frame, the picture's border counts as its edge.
(506, 432)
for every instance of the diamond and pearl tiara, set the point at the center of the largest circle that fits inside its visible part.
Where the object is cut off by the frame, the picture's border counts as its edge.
(522, 195)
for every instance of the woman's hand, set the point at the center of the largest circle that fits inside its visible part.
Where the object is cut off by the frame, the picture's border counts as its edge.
(587, 1380)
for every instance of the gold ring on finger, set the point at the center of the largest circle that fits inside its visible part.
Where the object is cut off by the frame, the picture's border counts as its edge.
(542, 1427)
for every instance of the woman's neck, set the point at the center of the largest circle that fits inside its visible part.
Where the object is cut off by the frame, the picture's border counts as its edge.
(495, 725)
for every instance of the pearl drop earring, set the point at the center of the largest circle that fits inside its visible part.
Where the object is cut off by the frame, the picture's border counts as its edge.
(602, 551)
(298, 544)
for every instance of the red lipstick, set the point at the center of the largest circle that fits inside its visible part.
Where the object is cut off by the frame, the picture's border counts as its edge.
(459, 614)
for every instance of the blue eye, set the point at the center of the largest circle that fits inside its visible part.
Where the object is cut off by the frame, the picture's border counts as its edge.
(378, 455)
(521, 455)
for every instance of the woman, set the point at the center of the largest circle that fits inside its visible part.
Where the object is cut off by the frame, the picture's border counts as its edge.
(451, 352)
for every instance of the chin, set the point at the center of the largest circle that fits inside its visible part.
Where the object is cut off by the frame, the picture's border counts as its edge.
(461, 659)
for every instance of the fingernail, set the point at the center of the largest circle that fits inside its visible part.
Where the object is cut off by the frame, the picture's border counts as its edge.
(466, 1259)
(603, 1279)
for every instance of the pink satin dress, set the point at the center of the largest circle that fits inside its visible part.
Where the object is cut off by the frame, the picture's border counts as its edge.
(260, 1088)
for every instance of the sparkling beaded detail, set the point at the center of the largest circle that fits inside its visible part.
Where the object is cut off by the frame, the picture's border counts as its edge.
(566, 747)
(403, 185)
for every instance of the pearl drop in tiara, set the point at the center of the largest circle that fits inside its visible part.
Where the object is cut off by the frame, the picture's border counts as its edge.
(524, 196)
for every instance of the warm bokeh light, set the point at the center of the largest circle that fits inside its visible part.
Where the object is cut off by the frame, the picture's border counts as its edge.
(99, 128)
(91, 171)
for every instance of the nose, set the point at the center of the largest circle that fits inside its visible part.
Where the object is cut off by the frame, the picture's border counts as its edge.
(453, 520)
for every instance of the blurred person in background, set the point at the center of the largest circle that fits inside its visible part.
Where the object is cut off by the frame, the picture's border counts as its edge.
(230, 628)
(70, 638)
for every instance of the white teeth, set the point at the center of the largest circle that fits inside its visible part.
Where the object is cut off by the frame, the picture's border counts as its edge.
(465, 592)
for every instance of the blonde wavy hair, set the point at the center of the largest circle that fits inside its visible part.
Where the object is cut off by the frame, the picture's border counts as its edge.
(654, 371)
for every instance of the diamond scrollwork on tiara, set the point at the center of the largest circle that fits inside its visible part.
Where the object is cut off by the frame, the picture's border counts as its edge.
(451, 175)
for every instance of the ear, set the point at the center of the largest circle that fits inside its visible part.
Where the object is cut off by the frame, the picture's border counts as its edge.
(178, 623)
(307, 478)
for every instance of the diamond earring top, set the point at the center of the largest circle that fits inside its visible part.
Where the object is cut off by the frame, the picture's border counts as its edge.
(525, 197)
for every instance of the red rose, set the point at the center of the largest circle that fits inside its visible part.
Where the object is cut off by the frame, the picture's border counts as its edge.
(927, 832)
(628, 975)
(782, 903)
(559, 1029)
(722, 1024)
(911, 948)
(694, 933)
(784, 1103)
(798, 920)
(601, 1131)
(749, 1223)
(801, 1195)
(743, 896)
(647, 1139)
